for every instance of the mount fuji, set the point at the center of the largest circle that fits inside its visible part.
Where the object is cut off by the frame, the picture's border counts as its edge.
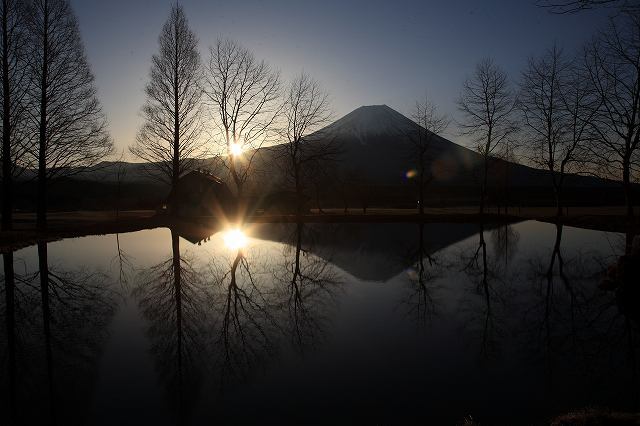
(375, 161)
(376, 148)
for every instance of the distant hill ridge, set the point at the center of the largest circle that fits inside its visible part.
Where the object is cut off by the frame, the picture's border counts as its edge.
(376, 149)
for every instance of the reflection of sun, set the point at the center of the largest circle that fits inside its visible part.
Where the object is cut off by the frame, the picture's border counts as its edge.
(235, 149)
(234, 239)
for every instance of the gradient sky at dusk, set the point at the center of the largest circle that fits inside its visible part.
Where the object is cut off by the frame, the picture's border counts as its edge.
(363, 52)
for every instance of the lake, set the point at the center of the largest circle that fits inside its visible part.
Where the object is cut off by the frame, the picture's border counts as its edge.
(317, 323)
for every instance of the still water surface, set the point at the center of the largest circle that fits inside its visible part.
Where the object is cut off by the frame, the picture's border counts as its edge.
(331, 323)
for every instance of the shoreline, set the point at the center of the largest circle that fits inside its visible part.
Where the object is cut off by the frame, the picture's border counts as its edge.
(79, 224)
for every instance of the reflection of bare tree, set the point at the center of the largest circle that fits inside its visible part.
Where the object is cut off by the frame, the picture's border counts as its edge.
(260, 299)
(570, 322)
(549, 307)
(420, 302)
(505, 241)
(622, 278)
(20, 298)
(308, 283)
(247, 328)
(172, 299)
(9, 315)
(76, 309)
(489, 279)
(124, 264)
(557, 260)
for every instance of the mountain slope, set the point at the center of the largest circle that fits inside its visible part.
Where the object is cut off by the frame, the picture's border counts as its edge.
(376, 148)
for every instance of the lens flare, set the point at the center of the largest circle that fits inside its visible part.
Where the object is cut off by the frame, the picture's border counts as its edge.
(235, 149)
(411, 174)
(234, 239)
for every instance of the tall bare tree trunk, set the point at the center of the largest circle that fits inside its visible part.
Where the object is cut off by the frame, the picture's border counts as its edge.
(169, 140)
(628, 195)
(7, 196)
(176, 121)
(487, 103)
(556, 194)
(626, 184)
(483, 188)
(42, 141)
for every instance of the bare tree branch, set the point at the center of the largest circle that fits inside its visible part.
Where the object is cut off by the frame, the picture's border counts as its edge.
(170, 138)
(487, 103)
(16, 138)
(612, 64)
(430, 123)
(244, 97)
(66, 115)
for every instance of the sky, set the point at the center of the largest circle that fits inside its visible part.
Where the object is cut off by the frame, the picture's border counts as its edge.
(362, 52)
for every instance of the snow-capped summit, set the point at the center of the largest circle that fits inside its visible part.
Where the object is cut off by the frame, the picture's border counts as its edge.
(370, 120)
(376, 147)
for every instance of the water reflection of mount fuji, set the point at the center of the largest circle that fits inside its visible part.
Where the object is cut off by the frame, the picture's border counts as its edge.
(371, 253)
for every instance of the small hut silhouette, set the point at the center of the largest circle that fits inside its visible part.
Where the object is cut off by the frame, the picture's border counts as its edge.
(200, 193)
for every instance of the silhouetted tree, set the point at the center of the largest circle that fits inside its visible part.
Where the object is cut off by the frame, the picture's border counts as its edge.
(71, 128)
(487, 103)
(557, 109)
(169, 140)
(573, 6)
(306, 108)
(612, 65)
(244, 96)
(15, 137)
(430, 125)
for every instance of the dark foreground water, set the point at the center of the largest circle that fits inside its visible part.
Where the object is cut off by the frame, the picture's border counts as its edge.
(340, 324)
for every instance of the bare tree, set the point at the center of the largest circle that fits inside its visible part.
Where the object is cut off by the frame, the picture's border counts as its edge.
(487, 103)
(169, 140)
(244, 96)
(557, 109)
(613, 65)
(15, 137)
(71, 128)
(306, 109)
(430, 124)
(573, 6)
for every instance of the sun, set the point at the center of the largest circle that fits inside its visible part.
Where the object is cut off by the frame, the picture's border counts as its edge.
(235, 149)
(234, 239)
